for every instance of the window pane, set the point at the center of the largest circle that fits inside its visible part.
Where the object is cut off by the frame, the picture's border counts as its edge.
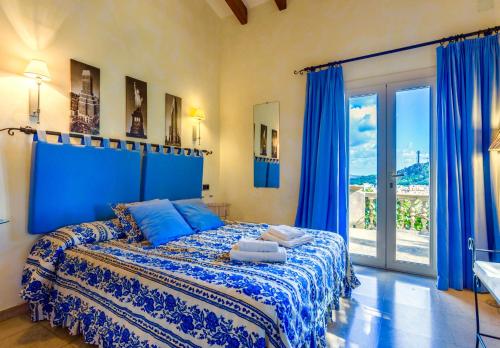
(363, 175)
(413, 170)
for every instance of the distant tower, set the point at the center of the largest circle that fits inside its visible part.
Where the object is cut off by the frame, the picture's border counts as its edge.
(418, 157)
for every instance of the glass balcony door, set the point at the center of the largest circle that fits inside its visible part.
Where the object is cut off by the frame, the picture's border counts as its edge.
(390, 176)
(410, 241)
(367, 175)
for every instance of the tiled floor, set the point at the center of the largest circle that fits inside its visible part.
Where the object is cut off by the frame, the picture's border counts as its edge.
(397, 310)
(387, 310)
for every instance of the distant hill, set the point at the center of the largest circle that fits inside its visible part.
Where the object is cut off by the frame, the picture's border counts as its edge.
(416, 174)
(363, 179)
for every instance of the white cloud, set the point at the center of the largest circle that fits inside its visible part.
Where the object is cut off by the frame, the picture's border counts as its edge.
(363, 139)
(363, 125)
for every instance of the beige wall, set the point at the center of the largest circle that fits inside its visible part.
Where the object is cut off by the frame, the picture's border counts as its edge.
(181, 47)
(258, 61)
(172, 45)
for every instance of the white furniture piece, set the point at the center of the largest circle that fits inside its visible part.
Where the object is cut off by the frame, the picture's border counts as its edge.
(489, 275)
(486, 274)
(220, 209)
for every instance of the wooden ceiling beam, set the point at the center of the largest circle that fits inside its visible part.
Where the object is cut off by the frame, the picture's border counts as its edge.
(239, 9)
(281, 4)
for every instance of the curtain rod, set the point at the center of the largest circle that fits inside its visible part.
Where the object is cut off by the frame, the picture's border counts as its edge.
(442, 41)
(29, 130)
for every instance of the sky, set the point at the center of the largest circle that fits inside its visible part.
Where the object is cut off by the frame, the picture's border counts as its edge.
(412, 130)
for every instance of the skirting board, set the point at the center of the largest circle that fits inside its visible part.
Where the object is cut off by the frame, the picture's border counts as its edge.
(14, 311)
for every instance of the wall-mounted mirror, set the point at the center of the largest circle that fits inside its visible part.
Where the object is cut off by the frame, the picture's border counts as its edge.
(266, 152)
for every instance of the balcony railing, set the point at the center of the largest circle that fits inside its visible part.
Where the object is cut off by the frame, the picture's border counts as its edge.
(412, 210)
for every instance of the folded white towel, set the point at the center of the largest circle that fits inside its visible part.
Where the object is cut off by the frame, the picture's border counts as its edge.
(285, 232)
(249, 256)
(255, 245)
(306, 238)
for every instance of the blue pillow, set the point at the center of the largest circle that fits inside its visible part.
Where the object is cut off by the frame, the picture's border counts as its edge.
(159, 221)
(197, 214)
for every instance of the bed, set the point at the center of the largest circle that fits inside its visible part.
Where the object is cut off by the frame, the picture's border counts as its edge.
(87, 277)
(186, 293)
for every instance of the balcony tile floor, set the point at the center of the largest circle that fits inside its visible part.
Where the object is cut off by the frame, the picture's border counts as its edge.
(411, 246)
(388, 310)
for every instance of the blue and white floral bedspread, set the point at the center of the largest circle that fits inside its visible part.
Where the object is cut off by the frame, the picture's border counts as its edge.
(186, 293)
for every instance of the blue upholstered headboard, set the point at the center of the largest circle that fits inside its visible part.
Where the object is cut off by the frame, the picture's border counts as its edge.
(266, 173)
(171, 175)
(71, 184)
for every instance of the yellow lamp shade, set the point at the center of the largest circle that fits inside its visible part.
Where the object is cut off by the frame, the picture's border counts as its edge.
(198, 114)
(495, 145)
(37, 69)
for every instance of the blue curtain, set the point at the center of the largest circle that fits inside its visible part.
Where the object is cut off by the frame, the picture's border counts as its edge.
(467, 92)
(323, 184)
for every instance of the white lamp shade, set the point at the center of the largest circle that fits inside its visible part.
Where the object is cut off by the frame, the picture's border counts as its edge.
(198, 114)
(37, 69)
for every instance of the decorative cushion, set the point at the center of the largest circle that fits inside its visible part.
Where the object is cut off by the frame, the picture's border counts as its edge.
(197, 214)
(159, 221)
(127, 223)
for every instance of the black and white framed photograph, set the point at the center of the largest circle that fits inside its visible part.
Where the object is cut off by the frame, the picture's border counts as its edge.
(85, 98)
(136, 107)
(173, 115)
(263, 140)
(274, 143)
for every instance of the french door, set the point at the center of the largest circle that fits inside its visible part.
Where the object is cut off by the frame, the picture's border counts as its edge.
(390, 176)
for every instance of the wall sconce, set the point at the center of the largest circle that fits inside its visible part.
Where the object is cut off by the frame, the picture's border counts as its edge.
(495, 144)
(197, 114)
(37, 70)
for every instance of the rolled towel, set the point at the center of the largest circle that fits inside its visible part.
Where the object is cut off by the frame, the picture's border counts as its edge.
(249, 256)
(245, 244)
(306, 238)
(285, 232)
